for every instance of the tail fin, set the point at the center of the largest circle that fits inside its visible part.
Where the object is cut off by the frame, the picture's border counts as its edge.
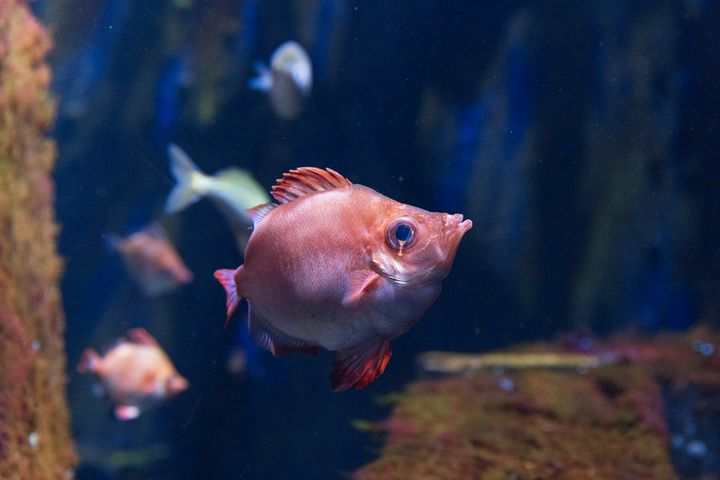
(183, 169)
(89, 361)
(227, 280)
(113, 242)
(263, 81)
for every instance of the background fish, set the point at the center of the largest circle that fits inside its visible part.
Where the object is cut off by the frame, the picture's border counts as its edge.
(151, 260)
(232, 190)
(342, 267)
(135, 374)
(288, 80)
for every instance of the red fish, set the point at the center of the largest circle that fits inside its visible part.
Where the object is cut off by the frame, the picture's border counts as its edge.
(340, 266)
(152, 260)
(136, 374)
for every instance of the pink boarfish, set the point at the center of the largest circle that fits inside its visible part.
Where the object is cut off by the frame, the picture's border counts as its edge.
(340, 266)
(136, 374)
(152, 261)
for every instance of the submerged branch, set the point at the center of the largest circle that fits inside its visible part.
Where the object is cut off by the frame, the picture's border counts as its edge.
(456, 363)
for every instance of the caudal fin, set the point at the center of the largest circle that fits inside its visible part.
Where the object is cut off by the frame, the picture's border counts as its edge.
(183, 169)
(89, 361)
(227, 280)
(113, 242)
(263, 80)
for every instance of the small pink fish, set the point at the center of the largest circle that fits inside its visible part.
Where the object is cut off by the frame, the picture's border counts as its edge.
(340, 266)
(136, 374)
(152, 260)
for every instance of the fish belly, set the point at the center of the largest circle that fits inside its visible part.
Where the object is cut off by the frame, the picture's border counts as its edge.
(330, 326)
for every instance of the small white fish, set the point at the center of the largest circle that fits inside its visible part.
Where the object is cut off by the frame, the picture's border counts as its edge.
(288, 80)
(232, 190)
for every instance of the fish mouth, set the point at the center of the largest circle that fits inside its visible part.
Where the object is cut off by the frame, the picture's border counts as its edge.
(465, 225)
(456, 227)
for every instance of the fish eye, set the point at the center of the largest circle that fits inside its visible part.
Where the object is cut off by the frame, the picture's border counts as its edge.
(401, 233)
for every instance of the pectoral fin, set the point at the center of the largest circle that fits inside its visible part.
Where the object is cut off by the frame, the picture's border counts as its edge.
(359, 366)
(148, 383)
(360, 284)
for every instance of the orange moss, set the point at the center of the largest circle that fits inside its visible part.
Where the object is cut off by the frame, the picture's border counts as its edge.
(607, 423)
(35, 441)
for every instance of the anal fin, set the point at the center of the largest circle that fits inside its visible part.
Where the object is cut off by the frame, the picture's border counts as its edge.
(272, 339)
(358, 366)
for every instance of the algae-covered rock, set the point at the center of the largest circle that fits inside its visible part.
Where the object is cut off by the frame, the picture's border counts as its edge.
(603, 422)
(34, 435)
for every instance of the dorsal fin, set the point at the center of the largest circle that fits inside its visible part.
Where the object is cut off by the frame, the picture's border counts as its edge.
(302, 181)
(259, 212)
(142, 337)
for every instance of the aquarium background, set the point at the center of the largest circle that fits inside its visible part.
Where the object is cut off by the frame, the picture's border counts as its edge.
(581, 138)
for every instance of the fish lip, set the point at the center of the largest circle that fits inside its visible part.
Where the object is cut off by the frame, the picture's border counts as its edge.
(459, 221)
(465, 225)
(457, 227)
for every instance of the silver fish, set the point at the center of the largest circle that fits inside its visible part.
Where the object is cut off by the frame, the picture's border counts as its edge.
(288, 81)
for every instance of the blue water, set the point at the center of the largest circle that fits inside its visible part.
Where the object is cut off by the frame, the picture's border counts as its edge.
(581, 139)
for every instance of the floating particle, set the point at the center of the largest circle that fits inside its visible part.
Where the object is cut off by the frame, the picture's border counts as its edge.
(507, 384)
(707, 349)
(696, 449)
(33, 439)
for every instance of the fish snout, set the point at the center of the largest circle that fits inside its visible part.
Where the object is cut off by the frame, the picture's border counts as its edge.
(177, 384)
(184, 275)
(457, 220)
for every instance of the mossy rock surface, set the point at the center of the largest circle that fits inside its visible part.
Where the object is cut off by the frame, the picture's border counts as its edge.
(525, 424)
(35, 442)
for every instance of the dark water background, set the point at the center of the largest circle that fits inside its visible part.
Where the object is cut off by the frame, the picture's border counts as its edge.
(581, 138)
